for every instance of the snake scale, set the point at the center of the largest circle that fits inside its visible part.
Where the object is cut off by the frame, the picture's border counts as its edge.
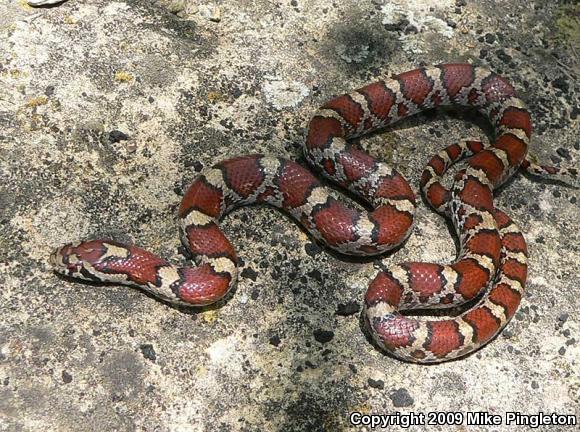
(492, 261)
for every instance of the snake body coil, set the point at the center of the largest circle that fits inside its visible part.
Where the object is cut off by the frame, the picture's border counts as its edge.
(492, 254)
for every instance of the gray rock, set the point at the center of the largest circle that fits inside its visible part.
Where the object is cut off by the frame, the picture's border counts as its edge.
(188, 92)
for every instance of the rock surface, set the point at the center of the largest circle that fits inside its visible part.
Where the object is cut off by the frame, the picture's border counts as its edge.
(107, 111)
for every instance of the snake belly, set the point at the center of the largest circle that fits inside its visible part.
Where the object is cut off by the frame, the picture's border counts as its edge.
(485, 233)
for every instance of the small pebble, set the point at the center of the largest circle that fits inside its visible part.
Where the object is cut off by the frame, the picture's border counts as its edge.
(116, 136)
(312, 249)
(148, 352)
(346, 309)
(66, 377)
(489, 38)
(275, 340)
(378, 384)
(323, 336)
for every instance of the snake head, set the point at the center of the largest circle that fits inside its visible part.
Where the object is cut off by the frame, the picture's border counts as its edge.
(65, 261)
(78, 260)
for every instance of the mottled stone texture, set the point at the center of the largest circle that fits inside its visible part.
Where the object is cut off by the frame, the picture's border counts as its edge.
(107, 111)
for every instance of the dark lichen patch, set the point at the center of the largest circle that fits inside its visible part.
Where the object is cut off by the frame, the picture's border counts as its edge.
(401, 398)
(186, 35)
(356, 46)
(7, 202)
(567, 24)
(197, 108)
(41, 338)
(249, 273)
(122, 373)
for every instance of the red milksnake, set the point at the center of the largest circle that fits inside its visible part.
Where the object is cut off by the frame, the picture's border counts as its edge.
(493, 252)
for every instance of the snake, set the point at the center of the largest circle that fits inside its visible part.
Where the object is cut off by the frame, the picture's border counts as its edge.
(488, 274)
